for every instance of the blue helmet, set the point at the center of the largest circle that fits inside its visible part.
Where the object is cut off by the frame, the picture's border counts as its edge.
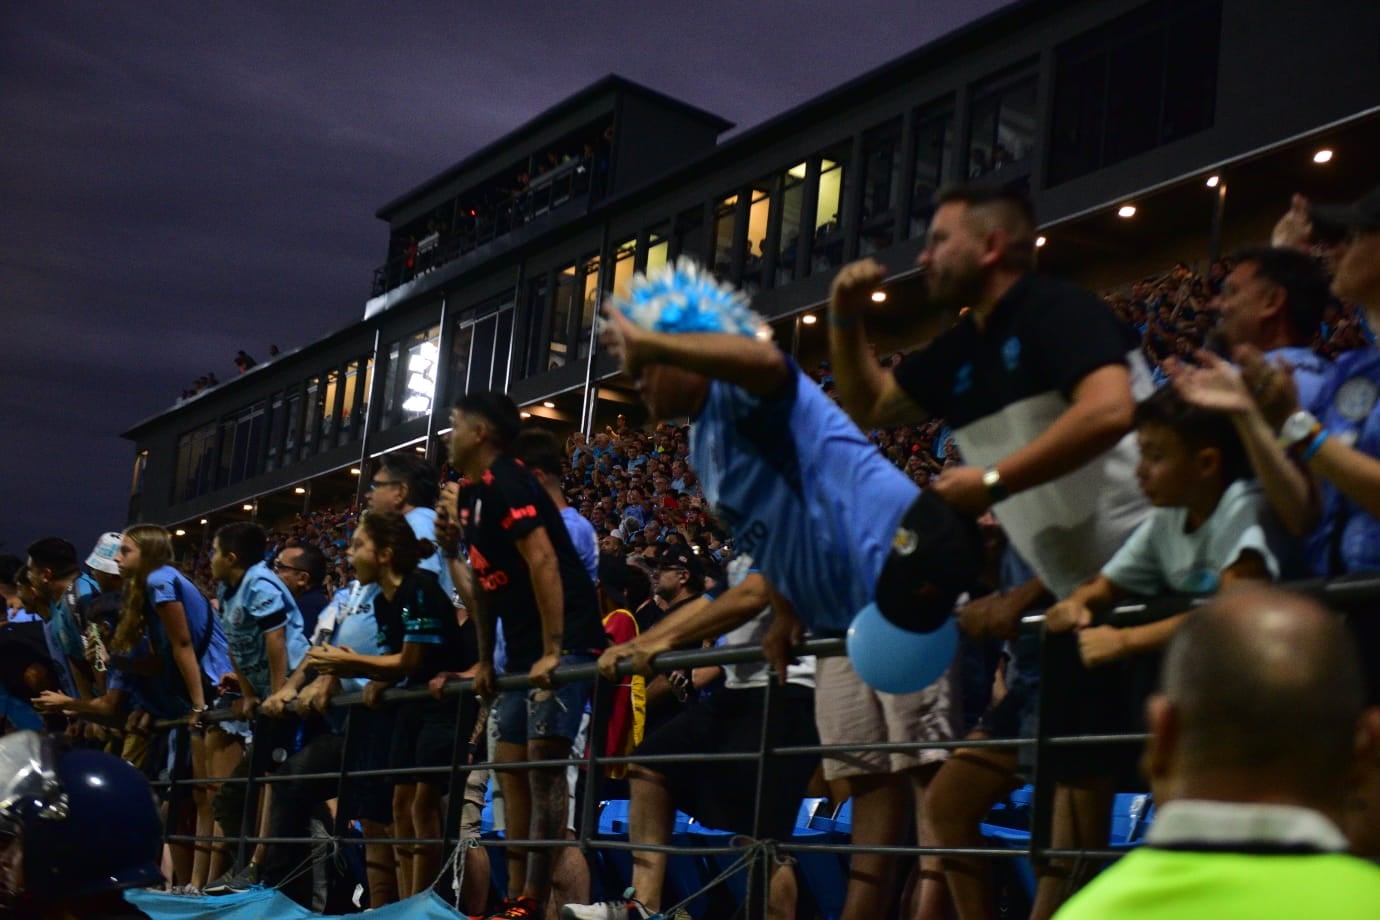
(84, 822)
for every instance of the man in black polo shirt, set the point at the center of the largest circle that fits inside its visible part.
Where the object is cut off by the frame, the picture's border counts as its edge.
(523, 569)
(1039, 381)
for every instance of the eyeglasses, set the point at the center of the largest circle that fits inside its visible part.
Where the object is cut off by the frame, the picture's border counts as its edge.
(376, 483)
(284, 567)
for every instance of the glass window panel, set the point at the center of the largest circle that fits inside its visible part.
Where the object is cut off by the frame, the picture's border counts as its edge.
(828, 245)
(792, 207)
(1003, 129)
(312, 422)
(567, 294)
(689, 234)
(724, 213)
(503, 339)
(590, 307)
(294, 424)
(624, 259)
(390, 386)
(536, 347)
(328, 420)
(482, 356)
(657, 247)
(423, 366)
(347, 412)
(880, 177)
(934, 137)
(459, 361)
(759, 213)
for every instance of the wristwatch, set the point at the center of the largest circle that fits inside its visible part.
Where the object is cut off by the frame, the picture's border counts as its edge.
(1298, 429)
(996, 491)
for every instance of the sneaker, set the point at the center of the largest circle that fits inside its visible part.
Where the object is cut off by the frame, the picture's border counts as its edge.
(517, 909)
(235, 882)
(625, 909)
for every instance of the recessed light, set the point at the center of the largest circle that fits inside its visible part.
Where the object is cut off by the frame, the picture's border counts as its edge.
(1040, 241)
(421, 450)
(525, 414)
(354, 471)
(1126, 210)
(879, 296)
(1323, 156)
(300, 490)
(549, 404)
(1213, 180)
(247, 507)
(204, 522)
(179, 532)
(809, 319)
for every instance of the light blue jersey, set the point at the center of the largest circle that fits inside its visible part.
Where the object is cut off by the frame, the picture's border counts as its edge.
(804, 492)
(423, 523)
(167, 585)
(1348, 539)
(348, 620)
(258, 605)
(1311, 374)
(63, 634)
(586, 543)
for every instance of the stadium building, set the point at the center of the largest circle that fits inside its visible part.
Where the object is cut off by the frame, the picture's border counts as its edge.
(1146, 133)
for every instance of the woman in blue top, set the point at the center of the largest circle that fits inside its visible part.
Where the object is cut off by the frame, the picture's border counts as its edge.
(164, 614)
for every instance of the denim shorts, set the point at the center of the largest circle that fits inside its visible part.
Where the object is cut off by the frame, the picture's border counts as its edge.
(529, 714)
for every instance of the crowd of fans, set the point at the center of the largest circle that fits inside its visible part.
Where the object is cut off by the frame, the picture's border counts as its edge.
(243, 362)
(230, 626)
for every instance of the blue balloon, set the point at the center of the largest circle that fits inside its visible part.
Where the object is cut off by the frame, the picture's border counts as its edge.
(895, 660)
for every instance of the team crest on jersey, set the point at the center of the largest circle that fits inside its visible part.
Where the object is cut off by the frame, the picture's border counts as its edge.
(1356, 398)
(963, 380)
(904, 542)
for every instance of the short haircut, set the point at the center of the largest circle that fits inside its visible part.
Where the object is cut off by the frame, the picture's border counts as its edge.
(1270, 684)
(313, 561)
(999, 206)
(1303, 281)
(421, 476)
(245, 540)
(56, 554)
(10, 565)
(537, 449)
(496, 408)
(1199, 428)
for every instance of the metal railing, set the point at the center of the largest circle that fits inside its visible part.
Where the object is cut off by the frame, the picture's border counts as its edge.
(1350, 595)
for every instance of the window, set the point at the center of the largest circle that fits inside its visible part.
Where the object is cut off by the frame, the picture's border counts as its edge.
(624, 261)
(329, 422)
(688, 235)
(724, 213)
(413, 364)
(195, 473)
(828, 244)
(934, 143)
(294, 424)
(136, 483)
(567, 295)
(792, 214)
(277, 430)
(1142, 80)
(537, 346)
(656, 252)
(348, 419)
(759, 212)
(590, 272)
(311, 424)
(1002, 133)
(459, 369)
(881, 180)
(480, 348)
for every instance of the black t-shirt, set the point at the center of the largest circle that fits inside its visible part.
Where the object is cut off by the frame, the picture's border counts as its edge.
(1043, 335)
(504, 506)
(421, 613)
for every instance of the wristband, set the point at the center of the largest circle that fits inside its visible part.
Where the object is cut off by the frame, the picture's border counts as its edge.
(1316, 445)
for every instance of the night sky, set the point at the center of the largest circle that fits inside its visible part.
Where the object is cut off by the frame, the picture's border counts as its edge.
(179, 181)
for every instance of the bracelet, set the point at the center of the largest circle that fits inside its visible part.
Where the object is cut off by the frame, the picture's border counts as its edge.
(201, 708)
(845, 322)
(1316, 445)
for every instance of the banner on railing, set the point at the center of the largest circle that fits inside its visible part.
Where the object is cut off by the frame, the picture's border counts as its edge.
(264, 902)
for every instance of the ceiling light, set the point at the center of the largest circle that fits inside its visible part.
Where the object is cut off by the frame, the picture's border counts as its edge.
(1323, 156)
(247, 507)
(420, 449)
(879, 296)
(1126, 210)
(549, 404)
(1213, 180)
(204, 522)
(354, 471)
(300, 490)
(809, 319)
(1040, 241)
(179, 532)
(525, 414)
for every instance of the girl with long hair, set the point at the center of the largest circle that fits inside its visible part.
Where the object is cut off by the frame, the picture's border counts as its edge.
(419, 618)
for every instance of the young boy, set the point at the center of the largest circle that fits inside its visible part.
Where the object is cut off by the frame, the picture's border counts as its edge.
(1210, 529)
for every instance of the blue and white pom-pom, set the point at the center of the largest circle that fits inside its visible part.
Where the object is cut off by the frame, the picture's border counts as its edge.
(685, 298)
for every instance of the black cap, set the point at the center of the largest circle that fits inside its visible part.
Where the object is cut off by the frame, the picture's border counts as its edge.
(935, 556)
(1361, 214)
(672, 555)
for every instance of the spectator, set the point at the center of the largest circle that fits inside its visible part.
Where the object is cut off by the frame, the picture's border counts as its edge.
(1254, 740)
(57, 578)
(409, 485)
(303, 570)
(419, 619)
(524, 569)
(539, 451)
(1048, 440)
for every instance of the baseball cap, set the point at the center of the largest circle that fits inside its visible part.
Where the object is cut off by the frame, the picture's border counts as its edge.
(102, 558)
(1361, 214)
(673, 555)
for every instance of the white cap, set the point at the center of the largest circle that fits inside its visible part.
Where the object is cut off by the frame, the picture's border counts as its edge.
(102, 558)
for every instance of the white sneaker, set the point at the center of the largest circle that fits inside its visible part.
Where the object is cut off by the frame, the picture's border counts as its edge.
(626, 909)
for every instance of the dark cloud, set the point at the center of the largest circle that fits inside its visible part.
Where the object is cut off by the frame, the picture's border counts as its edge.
(180, 180)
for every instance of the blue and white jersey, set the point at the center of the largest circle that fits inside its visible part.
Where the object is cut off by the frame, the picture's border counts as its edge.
(423, 522)
(258, 605)
(1311, 374)
(804, 492)
(1348, 539)
(586, 543)
(167, 585)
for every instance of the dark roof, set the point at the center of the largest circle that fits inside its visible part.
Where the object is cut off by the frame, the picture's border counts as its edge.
(609, 85)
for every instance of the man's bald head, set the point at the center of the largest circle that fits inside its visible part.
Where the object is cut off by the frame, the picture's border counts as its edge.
(1267, 686)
